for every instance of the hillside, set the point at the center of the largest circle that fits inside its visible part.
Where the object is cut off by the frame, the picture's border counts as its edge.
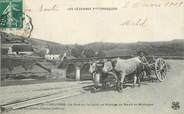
(55, 48)
(166, 48)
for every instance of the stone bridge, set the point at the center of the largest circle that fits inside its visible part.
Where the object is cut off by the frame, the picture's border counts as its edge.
(78, 68)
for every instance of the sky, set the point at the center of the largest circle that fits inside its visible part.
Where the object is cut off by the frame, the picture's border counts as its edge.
(53, 21)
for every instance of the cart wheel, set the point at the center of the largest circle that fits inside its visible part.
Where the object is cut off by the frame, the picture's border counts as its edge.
(160, 69)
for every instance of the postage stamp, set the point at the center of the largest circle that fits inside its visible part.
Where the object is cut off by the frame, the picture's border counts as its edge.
(11, 12)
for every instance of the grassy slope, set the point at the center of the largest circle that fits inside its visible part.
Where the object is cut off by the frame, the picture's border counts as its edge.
(167, 48)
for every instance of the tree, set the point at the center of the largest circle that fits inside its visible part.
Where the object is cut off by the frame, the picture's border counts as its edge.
(42, 52)
(77, 51)
(101, 53)
(89, 53)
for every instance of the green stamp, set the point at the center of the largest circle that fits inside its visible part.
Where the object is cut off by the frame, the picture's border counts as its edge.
(11, 12)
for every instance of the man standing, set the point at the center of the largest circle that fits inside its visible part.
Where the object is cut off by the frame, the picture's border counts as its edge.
(142, 57)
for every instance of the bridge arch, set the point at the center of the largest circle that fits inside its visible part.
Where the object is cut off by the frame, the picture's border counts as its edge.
(71, 71)
(85, 75)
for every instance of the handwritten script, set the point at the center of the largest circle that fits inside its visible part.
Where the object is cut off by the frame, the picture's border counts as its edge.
(51, 8)
(150, 4)
(135, 22)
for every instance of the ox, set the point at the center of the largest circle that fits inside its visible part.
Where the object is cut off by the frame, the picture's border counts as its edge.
(99, 77)
(124, 67)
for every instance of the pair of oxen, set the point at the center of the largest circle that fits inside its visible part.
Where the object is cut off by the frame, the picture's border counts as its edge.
(119, 69)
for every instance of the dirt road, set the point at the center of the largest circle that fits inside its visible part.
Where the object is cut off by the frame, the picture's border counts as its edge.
(152, 98)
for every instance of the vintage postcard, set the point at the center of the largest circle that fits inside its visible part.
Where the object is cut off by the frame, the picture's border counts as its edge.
(92, 56)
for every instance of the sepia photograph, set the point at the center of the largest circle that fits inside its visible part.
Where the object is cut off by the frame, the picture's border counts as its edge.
(92, 56)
